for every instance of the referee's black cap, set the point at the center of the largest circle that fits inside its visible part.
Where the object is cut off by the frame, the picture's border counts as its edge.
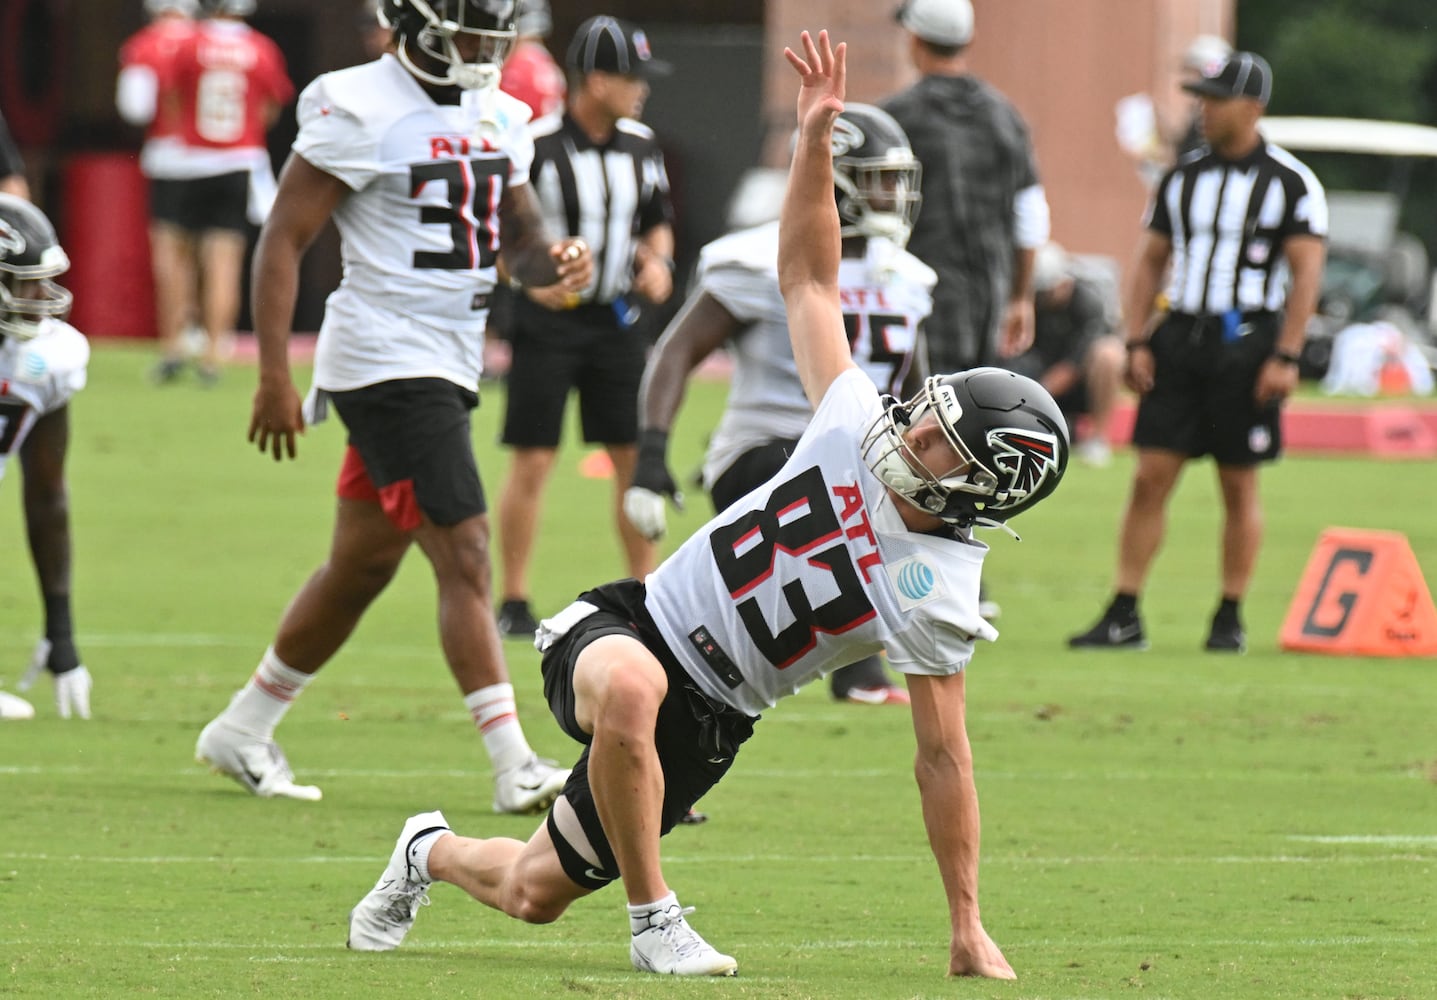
(609, 45)
(1243, 74)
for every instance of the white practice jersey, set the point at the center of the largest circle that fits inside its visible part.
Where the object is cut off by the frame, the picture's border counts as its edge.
(420, 230)
(814, 570)
(886, 295)
(37, 377)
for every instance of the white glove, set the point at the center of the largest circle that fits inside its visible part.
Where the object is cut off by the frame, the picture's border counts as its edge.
(645, 510)
(72, 688)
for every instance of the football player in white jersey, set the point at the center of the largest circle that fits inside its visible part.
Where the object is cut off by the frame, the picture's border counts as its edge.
(862, 541)
(42, 364)
(886, 294)
(423, 165)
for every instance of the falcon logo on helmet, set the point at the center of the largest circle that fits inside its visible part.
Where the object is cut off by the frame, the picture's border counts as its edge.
(1027, 457)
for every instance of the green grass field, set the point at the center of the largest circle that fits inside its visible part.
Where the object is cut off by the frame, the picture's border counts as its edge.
(1166, 824)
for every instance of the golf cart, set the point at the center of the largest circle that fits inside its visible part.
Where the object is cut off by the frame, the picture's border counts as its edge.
(1374, 269)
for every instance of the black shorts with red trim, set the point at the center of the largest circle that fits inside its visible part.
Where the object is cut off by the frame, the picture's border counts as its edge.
(410, 450)
(696, 737)
(200, 203)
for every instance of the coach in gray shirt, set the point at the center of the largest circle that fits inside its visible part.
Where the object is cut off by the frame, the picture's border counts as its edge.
(984, 211)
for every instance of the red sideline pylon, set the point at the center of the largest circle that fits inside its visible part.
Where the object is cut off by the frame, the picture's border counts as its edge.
(1362, 594)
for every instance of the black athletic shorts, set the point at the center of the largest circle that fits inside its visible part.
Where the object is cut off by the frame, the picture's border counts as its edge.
(554, 352)
(750, 471)
(1202, 401)
(697, 738)
(202, 203)
(413, 437)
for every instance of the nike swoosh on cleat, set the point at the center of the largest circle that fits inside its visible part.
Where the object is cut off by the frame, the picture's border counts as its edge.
(1122, 633)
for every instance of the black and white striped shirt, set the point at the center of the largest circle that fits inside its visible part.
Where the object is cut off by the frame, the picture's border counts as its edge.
(607, 195)
(1228, 220)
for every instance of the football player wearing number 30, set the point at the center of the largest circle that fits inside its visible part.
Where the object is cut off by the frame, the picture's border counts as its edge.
(423, 164)
(862, 541)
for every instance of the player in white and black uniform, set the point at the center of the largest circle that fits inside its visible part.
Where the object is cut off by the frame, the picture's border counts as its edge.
(423, 165)
(42, 365)
(861, 541)
(886, 295)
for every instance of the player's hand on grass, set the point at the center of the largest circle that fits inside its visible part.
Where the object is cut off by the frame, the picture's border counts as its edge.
(975, 954)
(72, 679)
(644, 499)
(278, 416)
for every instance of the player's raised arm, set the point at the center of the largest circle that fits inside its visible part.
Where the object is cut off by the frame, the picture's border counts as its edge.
(808, 238)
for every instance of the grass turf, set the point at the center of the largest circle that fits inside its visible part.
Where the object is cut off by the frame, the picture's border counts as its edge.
(1164, 824)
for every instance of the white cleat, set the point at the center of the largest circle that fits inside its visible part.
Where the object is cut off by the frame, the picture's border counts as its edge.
(671, 947)
(529, 788)
(383, 917)
(258, 764)
(14, 708)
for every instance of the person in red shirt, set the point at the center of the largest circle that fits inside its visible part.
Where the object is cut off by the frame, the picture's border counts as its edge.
(223, 90)
(145, 57)
(530, 72)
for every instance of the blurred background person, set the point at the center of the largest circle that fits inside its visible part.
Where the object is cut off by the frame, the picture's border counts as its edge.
(145, 58)
(986, 213)
(531, 73)
(1153, 141)
(886, 294)
(42, 365)
(1076, 353)
(224, 88)
(600, 177)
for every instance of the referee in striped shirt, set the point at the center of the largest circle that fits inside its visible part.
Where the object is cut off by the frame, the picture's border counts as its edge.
(599, 175)
(1243, 224)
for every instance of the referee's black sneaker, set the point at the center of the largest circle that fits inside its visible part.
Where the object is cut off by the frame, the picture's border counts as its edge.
(1117, 629)
(516, 620)
(1226, 634)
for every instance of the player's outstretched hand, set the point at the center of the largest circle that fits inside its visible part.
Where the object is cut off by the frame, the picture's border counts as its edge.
(822, 72)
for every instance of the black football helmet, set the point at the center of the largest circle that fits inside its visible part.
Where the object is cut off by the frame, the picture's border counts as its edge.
(1011, 435)
(876, 177)
(30, 256)
(433, 25)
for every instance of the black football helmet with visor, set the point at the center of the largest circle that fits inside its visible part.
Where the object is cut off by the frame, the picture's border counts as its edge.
(1011, 438)
(434, 27)
(876, 177)
(30, 256)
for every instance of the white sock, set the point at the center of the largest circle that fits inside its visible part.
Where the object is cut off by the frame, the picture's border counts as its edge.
(497, 719)
(640, 913)
(419, 849)
(261, 703)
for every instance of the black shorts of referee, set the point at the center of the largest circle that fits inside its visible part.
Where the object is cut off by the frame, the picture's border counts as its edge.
(1205, 374)
(696, 738)
(556, 351)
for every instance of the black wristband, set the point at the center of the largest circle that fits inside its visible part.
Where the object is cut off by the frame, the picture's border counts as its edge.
(1138, 345)
(58, 623)
(1286, 357)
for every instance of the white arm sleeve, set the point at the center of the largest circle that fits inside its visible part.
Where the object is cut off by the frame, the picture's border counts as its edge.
(1030, 217)
(136, 94)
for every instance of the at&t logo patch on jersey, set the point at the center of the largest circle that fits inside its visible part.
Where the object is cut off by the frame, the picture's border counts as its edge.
(914, 581)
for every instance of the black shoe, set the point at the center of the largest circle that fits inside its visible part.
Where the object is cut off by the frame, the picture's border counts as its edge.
(516, 621)
(1113, 631)
(167, 371)
(1226, 635)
